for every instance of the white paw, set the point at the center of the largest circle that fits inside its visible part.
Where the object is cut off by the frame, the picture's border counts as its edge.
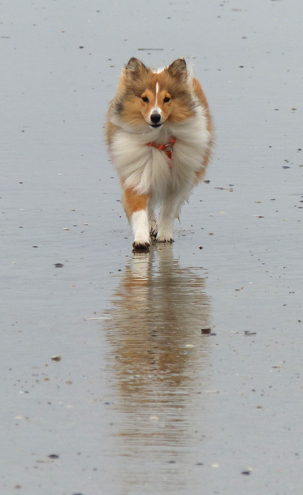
(153, 228)
(165, 238)
(141, 245)
(140, 227)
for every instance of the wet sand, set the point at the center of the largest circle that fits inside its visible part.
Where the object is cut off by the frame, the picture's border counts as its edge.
(139, 400)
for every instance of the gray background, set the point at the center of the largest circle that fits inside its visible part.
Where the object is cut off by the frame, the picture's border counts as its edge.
(141, 402)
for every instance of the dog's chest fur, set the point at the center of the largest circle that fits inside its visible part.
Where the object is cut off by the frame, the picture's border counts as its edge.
(146, 169)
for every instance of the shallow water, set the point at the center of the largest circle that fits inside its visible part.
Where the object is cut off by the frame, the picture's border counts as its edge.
(141, 400)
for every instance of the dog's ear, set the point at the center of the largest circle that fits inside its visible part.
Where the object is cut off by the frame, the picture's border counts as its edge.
(178, 69)
(134, 68)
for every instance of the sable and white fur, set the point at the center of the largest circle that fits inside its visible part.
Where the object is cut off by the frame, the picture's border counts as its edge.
(154, 106)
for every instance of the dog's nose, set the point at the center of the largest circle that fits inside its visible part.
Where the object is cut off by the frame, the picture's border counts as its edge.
(155, 118)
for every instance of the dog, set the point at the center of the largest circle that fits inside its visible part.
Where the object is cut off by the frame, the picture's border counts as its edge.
(159, 134)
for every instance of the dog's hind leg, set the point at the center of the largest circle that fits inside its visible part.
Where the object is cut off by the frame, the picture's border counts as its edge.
(169, 211)
(153, 226)
(136, 209)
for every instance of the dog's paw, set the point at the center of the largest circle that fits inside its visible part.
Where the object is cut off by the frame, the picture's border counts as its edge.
(153, 227)
(154, 230)
(164, 238)
(140, 246)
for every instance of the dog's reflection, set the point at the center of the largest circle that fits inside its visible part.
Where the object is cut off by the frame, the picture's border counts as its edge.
(158, 353)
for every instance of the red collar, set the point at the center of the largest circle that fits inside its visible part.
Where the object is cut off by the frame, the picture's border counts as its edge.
(168, 148)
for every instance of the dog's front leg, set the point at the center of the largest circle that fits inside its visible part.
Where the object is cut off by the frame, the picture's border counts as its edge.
(136, 209)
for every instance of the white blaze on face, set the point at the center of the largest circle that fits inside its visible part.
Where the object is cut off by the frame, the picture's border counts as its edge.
(156, 109)
(157, 91)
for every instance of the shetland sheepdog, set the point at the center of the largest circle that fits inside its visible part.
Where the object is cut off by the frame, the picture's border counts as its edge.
(159, 134)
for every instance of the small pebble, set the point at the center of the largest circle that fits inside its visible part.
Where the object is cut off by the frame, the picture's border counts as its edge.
(56, 358)
(205, 331)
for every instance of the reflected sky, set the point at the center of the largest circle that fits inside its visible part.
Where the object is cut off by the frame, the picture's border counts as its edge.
(159, 362)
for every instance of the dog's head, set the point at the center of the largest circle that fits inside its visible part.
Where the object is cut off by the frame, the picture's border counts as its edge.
(150, 98)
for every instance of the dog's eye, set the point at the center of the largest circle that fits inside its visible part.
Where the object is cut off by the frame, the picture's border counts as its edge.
(166, 99)
(145, 99)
